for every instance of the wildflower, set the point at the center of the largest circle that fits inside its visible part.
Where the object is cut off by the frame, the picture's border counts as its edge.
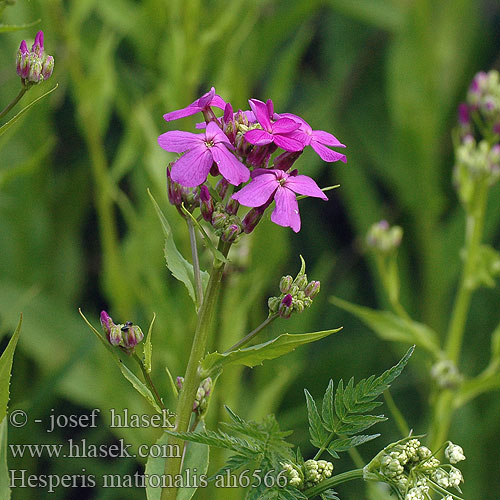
(125, 336)
(34, 66)
(112, 331)
(201, 151)
(279, 132)
(454, 453)
(446, 374)
(318, 140)
(294, 474)
(455, 477)
(269, 184)
(316, 471)
(200, 105)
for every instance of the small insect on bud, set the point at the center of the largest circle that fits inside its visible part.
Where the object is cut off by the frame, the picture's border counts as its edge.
(132, 335)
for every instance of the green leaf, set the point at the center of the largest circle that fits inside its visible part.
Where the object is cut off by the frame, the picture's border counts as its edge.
(345, 444)
(206, 239)
(6, 368)
(316, 429)
(327, 408)
(388, 326)
(172, 383)
(352, 424)
(6, 28)
(139, 386)
(4, 470)
(255, 355)
(148, 347)
(13, 120)
(178, 265)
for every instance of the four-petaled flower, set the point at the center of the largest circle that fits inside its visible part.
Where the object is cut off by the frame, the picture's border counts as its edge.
(268, 184)
(281, 132)
(318, 140)
(201, 151)
(200, 105)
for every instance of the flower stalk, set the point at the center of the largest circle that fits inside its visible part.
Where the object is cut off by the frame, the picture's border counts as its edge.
(14, 101)
(192, 378)
(247, 338)
(333, 481)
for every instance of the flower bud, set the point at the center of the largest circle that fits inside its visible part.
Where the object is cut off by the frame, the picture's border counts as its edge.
(383, 238)
(454, 453)
(286, 284)
(221, 188)
(22, 61)
(35, 71)
(312, 289)
(219, 219)
(231, 233)
(298, 305)
(285, 160)
(47, 67)
(286, 306)
(173, 190)
(112, 331)
(206, 203)
(300, 282)
(179, 382)
(273, 303)
(232, 206)
(132, 335)
(37, 47)
(251, 219)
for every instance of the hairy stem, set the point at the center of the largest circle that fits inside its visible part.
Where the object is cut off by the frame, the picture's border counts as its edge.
(333, 481)
(192, 378)
(14, 102)
(196, 261)
(247, 338)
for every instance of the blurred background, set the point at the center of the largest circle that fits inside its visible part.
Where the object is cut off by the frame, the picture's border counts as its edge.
(77, 228)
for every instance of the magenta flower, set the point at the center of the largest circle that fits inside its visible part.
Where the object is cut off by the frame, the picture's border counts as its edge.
(200, 105)
(201, 151)
(318, 140)
(282, 132)
(267, 185)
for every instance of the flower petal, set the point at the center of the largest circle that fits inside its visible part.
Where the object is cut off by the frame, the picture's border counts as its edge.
(177, 141)
(261, 112)
(192, 109)
(258, 137)
(303, 124)
(284, 126)
(289, 142)
(326, 138)
(259, 191)
(215, 134)
(327, 154)
(286, 212)
(218, 102)
(229, 166)
(302, 184)
(192, 168)
(205, 100)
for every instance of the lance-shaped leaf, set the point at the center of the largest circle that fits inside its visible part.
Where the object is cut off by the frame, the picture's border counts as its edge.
(388, 326)
(255, 355)
(139, 386)
(316, 428)
(178, 265)
(148, 346)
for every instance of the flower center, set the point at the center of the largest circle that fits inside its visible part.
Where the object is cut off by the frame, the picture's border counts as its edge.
(209, 144)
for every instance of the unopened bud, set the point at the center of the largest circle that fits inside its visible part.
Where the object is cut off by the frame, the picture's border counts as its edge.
(219, 220)
(298, 305)
(179, 382)
(232, 206)
(286, 306)
(35, 72)
(37, 46)
(132, 335)
(206, 203)
(22, 61)
(173, 191)
(285, 160)
(286, 284)
(221, 188)
(231, 233)
(312, 289)
(47, 67)
(384, 238)
(301, 282)
(273, 303)
(251, 219)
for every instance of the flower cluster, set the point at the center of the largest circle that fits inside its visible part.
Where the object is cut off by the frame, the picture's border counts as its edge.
(240, 147)
(200, 404)
(483, 97)
(125, 336)
(413, 471)
(384, 238)
(296, 294)
(312, 472)
(34, 66)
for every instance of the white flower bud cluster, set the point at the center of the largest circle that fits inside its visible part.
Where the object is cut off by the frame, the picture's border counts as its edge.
(478, 160)
(446, 375)
(294, 474)
(413, 470)
(200, 403)
(316, 471)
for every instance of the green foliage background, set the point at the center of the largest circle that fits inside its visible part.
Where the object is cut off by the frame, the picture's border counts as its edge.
(78, 229)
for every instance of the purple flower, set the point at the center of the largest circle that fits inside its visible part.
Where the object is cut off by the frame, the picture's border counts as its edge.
(280, 186)
(201, 151)
(200, 105)
(37, 46)
(318, 140)
(282, 132)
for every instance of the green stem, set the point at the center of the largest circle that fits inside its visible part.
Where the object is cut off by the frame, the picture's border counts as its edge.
(325, 445)
(196, 261)
(247, 338)
(444, 407)
(397, 415)
(192, 378)
(333, 481)
(15, 101)
(149, 382)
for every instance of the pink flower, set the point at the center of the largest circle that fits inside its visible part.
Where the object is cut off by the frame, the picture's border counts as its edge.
(282, 132)
(200, 105)
(267, 185)
(318, 140)
(201, 151)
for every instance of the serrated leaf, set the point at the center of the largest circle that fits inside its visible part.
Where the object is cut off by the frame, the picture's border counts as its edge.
(388, 326)
(4, 470)
(139, 386)
(255, 355)
(316, 429)
(148, 347)
(14, 119)
(6, 368)
(340, 409)
(232, 464)
(345, 444)
(329, 495)
(327, 408)
(196, 458)
(178, 265)
(353, 424)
